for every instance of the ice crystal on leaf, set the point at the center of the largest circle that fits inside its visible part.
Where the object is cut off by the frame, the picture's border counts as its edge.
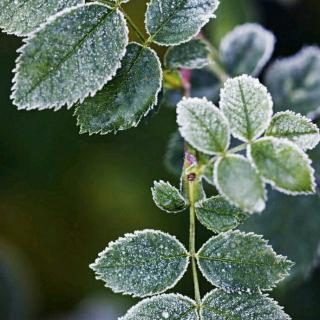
(236, 261)
(142, 264)
(72, 56)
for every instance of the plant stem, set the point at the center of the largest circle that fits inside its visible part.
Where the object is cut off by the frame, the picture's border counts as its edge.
(192, 244)
(134, 27)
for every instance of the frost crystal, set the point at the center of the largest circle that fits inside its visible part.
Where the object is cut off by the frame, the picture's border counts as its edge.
(73, 55)
(142, 264)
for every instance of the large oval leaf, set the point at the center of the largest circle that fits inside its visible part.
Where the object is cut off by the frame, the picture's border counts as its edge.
(203, 125)
(296, 128)
(294, 82)
(246, 49)
(72, 56)
(238, 181)
(20, 17)
(218, 215)
(122, 102)
(221, 305)
(236, 261)
(247, 105)
(283, 165)
(142, 264)
(171, 22)
(166, 306)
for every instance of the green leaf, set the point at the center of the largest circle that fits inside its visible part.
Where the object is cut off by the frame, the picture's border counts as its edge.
(218, 215)
(191, 55)
(141, 264)
(166, 306)
(72, 56)
(221, 305)
(247, 49)
(171, 22)
(236, 261)
(122, 103)
(296, 128)
(284, 165)
(238, 181)
(20, 17)
(167, 197)
(247, 105)
(295, 81)
(203, 125)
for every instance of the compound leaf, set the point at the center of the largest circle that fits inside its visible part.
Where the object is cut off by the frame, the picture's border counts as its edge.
(236, 261)
(238, 181)
(246, 49)
(191, 55)
(128, 97)
(20, 17)
(142, 264)
(296, 128)
(167, 197)
(283, 165)
(294, 82)
(247, 105)
(218, 215)
(203, 125)
(166, 306)
(221, 305)
(171, 22)
(72, 56)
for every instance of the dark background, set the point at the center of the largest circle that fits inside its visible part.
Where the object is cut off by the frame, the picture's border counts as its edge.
(64, 196)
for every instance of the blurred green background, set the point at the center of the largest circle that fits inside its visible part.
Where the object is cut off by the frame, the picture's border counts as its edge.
(64, 196)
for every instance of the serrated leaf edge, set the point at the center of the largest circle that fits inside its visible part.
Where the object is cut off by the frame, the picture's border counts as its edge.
(304, 156)
(32, 35)
(123, 239)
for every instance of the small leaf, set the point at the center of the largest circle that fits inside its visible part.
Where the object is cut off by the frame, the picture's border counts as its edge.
(238, 181)
(296, 128)
(236, 261)
(70, 57)
(203, 125)
(247, 105)
(20, 17)
(141, 264)
(170, 22)
(295, 81)
(283, 165)
(191, 55)
(122, 102)
(221, 305)
(247, 49)
(167, 197)
(218, 215)
(166, 306)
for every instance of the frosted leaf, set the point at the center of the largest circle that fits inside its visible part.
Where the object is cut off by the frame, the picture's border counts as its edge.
(70, 57)
(247, 49)
(167, 197)
(20, 17)
(166, 306)
(296, 128)
(238, 181)
(171, 22)
(191, 55)
(220, 305)
(284, 165)
(122, 103)
(236, 261)
(203, 125)
(218, 215)
(247, 105)
(295, 81)
(142, 264)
